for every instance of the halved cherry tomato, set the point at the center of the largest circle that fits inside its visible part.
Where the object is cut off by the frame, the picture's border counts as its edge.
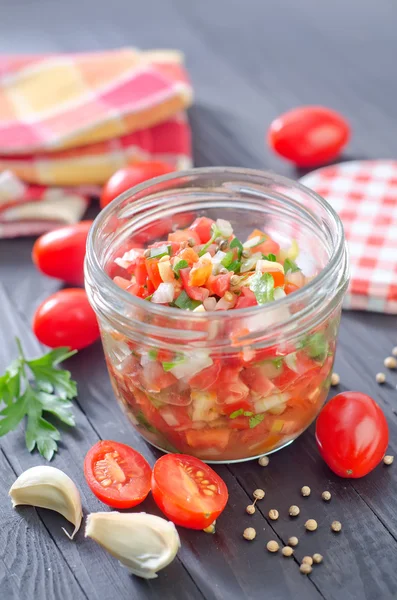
(117, 474)
(202, 226)
(128, 177)
(66, 319)
(179, 493)
(60, 253)
(309, 135)
(352, 434)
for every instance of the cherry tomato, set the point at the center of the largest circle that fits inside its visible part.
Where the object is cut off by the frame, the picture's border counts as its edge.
(179, 493)
(309, 135)
(60, 253)
(130, 176)
(352, 434)
(117, 474)
(66, 319)
(202, 226)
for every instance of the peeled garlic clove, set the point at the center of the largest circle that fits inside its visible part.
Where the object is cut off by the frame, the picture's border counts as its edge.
(143, 543)
(48, 487)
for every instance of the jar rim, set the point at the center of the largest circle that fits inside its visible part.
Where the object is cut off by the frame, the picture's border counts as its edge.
(337, 258)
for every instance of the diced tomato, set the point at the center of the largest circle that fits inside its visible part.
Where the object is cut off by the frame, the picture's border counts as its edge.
(289, 288)
(278, 278)
(240, 423)
(195, 293)
(153, 271)
(184, 235)
(219, 284)
(121, 282)
(208, 438)
(229, 387)
(206, 378)
(149, 286)
(268, 246)
(246, 299)
(199, 274)
(189, 255)
(154, 378)
(140, 271)
(230, 408)
(202, 226)
(257, 381)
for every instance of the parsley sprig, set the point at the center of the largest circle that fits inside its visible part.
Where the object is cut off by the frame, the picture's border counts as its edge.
(30, 388)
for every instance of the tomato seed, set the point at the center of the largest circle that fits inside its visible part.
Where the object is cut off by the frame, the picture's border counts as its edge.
(212, 487)
(106, 482)
(208, 492)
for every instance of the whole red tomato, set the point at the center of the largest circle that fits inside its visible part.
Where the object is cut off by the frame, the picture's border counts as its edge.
(309, 136)
(127, 177)
(66, 319)
(60, 253)
(352, 434)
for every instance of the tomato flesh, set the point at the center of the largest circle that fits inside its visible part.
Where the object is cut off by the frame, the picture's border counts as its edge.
(188, 491)
(352, 434)
(117, 474)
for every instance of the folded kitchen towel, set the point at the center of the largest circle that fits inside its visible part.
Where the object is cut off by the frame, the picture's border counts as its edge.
(71, 120)
(364, 194)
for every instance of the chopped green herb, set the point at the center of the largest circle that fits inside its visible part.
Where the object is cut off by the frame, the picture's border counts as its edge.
(277, 362)
(183, 301)
(156, 403)
(236, 413)
(235, 243)
(182, 264)
(234, 266)
(48, 391)
(263, 287)
(160, 251)
(316, 345)
(271, 257)
(149, 297)
(143, 422)
(290, 266)
(152, 354)
(227, 260)
(248, 413)
(167, 366)
(255, 420)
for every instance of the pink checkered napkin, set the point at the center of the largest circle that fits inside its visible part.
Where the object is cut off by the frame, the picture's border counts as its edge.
(364, 194)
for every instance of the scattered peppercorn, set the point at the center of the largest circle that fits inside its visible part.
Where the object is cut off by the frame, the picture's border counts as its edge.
(234, 280)
(307, 560)
(223, 245)
(249, 533)
(146, 254)
(305, 569)
(317, 558)
(210, 529)
(305, 491)
(264, 461)
(335, 379)
(326, 496)
(311, 525)
(294, 511)
(394, 351)
(191, 242)
(388, 459)
(293, 541)
(250, 509)
(273, 514)
(272, 546)
(336, 526)
(259, 494)
(380, 378)
(390, 362)
(287, 551)
(245, 254)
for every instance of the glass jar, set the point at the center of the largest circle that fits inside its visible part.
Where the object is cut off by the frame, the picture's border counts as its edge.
(272, 363)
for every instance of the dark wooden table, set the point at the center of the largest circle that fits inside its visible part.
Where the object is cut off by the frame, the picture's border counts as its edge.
(249, 60)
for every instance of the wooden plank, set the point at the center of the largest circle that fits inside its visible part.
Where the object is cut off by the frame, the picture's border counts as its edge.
(97, 572)
(31, 565)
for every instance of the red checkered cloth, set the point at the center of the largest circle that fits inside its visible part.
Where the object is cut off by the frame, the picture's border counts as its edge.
(364, 194)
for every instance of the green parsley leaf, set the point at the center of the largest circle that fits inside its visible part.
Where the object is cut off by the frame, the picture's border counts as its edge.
(183, 301)
(236, 413)
(182, 264)
(290, 266)
(152, 354)
(235, 266)
(235, 243)
(271, 257)
(167, 366)
(255, 420)
(263, 287)
(160, 251)
(49, 391)
(316, 345)
(277, 362)
(227, 260)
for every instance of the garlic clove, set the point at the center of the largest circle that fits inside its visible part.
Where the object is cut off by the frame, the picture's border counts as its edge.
(48, 487)
(143, 543)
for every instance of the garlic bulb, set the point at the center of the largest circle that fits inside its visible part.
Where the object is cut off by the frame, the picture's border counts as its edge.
(143, 543)
(48, 487)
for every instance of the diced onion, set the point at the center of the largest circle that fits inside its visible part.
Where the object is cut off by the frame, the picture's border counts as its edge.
(279, 293)
(166, 272)
(193, 364)
(169, 418)
(128, 257)
(224, 228)
(290, 361)
(163, 294)
(223, 304)
(266, 266)
(217, 261)
(296, 278)
(210, 303)
(249, 263)
(252, 242)
(272, 401)
(199, 308)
